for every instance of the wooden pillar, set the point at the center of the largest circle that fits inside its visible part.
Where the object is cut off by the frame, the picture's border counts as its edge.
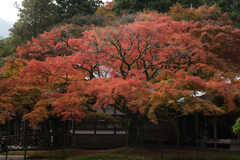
(95, 129)
(113, 123)
(177, 137)
(22, 128)
(205, 135)
(64, 141)
(8, 140)
(215, 129)
(25, 140)
(161, 136)
(45, 126)
(73, 127)
(15, 126)
(184, 127)
(69, 125)
(196, 130)
(126, 132)
(51, 130)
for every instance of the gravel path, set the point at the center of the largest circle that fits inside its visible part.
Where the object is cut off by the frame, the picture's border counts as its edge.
(12, 157)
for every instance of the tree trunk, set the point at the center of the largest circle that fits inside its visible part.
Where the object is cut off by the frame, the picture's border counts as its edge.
(215, 130)
(135, 130)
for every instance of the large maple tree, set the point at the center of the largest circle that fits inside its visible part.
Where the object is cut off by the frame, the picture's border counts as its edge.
(137, 68)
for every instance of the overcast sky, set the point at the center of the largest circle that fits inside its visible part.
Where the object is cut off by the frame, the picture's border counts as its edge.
(8, 12)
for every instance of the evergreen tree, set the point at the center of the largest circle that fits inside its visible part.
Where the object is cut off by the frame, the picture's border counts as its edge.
(232, 7)
(131, 6)
(194, 3)
(35, 17)
(69, 8)
(7, 48)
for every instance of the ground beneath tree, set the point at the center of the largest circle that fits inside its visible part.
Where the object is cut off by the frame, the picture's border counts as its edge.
(148, 152)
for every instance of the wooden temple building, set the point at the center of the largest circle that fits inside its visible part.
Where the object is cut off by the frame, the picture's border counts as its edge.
(219, 130)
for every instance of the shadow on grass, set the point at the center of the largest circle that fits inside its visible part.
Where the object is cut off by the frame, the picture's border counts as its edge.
(138, 153)
(209, 157)
(105, 157)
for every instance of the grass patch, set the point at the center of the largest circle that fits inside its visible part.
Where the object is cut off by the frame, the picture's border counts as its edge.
(131, 151)
(105, 157)
(209, 157)
(138, 153)
(55, 154)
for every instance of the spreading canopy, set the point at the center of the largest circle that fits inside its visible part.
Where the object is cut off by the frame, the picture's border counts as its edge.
(149, 64)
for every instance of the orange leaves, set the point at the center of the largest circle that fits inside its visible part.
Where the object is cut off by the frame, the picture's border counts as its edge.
(66, 108)
(49, 44)
(208, 15)
(184, 81)
(131, 93)
(12, 68)
(135, 48)
(36, 116)
(221, 45)
(187, 94)
(106, 11)
(53, 71)
(6, 108)
(114, 66)
(17, 97)
(223, 90)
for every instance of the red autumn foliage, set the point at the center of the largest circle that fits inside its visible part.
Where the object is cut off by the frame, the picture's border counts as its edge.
(141, 66)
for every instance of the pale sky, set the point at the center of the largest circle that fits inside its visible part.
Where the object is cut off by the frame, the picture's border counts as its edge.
(8, 12)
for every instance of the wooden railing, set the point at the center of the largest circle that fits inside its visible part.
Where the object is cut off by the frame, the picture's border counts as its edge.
(44, 141)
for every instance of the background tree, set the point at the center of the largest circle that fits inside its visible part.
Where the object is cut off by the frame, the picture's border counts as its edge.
(205, 14)
(132, 6)
(232, 7)
(162, 6)
(194, 4)
(69, 8)
(35, 16)
(236, 127)
(106, 11)
(7, 48)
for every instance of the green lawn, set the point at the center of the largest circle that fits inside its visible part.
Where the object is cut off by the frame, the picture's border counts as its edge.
(209, 157)
(55, 154)
(138, 153)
